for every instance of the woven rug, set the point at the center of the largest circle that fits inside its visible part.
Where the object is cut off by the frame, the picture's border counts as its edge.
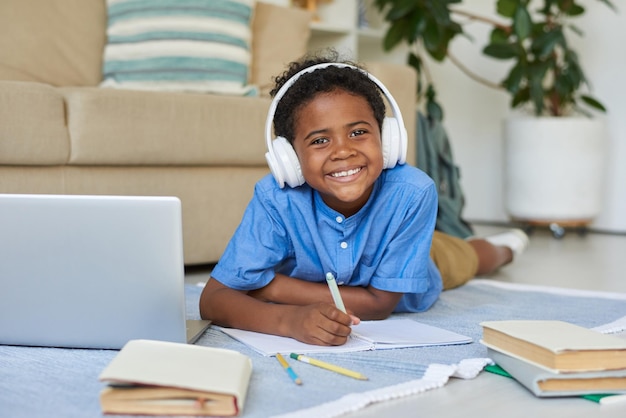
(64, 382)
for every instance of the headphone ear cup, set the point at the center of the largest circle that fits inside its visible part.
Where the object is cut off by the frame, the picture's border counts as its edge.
(275, 169)
(284, 163)
(391, 142)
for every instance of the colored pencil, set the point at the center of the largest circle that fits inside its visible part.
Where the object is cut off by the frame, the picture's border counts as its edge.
(328, 366)
(288, 369)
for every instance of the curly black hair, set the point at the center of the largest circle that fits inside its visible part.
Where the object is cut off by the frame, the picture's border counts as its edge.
(325, 80)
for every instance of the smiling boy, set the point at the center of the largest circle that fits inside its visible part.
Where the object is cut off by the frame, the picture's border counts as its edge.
(369, 225)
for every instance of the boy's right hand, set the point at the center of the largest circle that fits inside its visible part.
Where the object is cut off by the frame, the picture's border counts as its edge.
(320, 324)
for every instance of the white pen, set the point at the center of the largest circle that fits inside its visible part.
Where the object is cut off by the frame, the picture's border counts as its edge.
(334, 291)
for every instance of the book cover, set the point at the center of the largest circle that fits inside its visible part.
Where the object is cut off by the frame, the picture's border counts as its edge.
(368, 335)
(164, 378)
(543, 383)
(556, 345)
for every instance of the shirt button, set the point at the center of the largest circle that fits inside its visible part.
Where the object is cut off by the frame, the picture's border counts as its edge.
(344, 245)
(339, 219)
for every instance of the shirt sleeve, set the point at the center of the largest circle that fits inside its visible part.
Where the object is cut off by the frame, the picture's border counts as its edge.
(406, 265)
(259, 244)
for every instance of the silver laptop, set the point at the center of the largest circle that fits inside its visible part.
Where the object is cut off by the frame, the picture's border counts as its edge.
(91, 271)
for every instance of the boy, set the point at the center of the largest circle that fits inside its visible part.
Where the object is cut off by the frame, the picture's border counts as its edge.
(357, 215)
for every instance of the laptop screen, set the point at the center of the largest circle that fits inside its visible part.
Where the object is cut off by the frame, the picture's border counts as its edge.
(90, 271)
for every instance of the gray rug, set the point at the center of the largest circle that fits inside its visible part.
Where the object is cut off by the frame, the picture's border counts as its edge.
(64, 382)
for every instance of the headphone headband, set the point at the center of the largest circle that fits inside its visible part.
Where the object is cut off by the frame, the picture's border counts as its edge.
(272, 155)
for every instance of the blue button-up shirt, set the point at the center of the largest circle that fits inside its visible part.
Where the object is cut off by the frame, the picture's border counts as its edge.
(386, 244)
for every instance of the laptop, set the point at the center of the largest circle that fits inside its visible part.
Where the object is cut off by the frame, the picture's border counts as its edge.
(92, 271)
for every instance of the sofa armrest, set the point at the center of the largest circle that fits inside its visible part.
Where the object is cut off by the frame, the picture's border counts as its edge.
(32, 125)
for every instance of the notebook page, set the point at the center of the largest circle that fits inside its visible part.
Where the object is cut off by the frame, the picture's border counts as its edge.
(396, 333)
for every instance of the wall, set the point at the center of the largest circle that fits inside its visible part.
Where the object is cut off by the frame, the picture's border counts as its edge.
(474, 113)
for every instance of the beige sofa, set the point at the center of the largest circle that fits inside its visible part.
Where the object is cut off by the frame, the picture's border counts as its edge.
(60, 133)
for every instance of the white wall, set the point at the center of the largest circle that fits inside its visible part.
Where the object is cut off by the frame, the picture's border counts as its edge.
(474, 113)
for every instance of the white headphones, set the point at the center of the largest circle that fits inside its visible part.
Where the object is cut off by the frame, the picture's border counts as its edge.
(282, 158)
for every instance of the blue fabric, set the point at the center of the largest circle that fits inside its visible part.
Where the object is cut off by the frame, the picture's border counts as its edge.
(36, 382)
(172, 67)
(387, 243)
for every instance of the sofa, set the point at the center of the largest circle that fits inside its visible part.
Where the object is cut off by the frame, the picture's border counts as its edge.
(62, 132)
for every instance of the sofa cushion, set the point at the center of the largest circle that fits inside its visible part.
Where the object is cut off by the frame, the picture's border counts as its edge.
(32, 124)
(279, 36)
(124, 127)
(179, 45)
(58, 42)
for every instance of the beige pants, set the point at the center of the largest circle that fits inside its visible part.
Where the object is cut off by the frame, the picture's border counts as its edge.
(455, 258)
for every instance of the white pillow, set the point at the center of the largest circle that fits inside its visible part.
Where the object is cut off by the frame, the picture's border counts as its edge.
(179, 45)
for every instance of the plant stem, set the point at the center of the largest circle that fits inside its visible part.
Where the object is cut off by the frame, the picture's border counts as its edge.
(471, 74)
(482, 19)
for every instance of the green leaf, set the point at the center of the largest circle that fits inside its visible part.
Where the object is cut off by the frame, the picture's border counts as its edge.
(400, 8)
(431, 93)
(513, 81)
(536, 74)
(498, 35)
(439, 11)
(394, 35)
(593, 103)
(574, 71)
(416, 26)
(545, 44)
(522, 22)
(563, 85)
(570, 8)
(434, 110)
(415, 61)
(432, 34)
(506, 8)
(522, 96)
(502, 51)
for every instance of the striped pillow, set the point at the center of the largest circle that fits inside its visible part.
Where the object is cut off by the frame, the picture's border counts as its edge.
(179, 45)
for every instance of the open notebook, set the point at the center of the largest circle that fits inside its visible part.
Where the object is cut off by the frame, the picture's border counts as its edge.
(368, 335)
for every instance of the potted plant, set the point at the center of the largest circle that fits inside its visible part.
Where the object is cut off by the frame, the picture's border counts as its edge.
(547, 86)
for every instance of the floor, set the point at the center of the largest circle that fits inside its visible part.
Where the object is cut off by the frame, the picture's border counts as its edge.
(592, 261)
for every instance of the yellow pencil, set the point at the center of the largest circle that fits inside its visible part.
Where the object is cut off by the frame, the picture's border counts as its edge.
(328, 366)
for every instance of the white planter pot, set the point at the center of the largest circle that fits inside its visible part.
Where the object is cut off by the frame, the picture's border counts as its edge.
(554, 168)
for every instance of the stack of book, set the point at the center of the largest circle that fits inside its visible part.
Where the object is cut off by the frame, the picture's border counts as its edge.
(556, 358)
(150, 377)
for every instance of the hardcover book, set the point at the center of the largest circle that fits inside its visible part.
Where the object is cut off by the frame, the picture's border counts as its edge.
(556, 345)
(543, 383)
(162, 378)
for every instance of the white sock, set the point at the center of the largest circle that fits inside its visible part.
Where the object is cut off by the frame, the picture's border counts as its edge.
(515, 239)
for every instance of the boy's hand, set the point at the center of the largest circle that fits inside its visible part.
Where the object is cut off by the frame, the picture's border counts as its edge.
(320, 324)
